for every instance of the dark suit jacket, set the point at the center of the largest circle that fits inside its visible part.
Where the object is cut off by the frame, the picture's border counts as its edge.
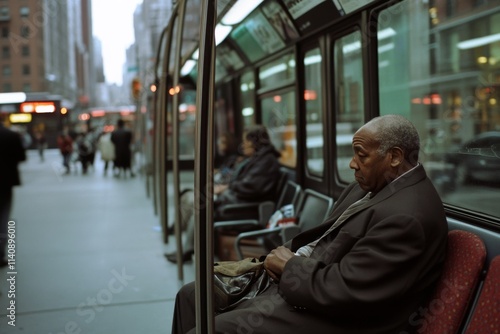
(372, 273)
(11, 153)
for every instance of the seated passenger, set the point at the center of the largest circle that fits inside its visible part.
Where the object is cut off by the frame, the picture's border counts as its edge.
(369, 267)
(226, 159)
(254, 179)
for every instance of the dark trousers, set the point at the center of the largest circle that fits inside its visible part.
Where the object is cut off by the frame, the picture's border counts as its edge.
(262, 314)
(5, 207)
(184, 310)
(66, 161)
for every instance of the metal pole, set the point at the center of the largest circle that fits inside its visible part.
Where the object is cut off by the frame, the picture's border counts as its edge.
(203, 167)
(175, 136)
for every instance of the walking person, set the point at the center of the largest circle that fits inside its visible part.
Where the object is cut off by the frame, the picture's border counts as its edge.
(86, 150)
(122, 139)
(65, 144)
(41, 143)
(12, 153)
(107, 149)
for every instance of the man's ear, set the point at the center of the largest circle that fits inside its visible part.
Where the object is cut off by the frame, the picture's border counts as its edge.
(397, 156)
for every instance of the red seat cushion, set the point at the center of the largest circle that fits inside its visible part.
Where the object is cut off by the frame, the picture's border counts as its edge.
(464, 262)
(486, 316)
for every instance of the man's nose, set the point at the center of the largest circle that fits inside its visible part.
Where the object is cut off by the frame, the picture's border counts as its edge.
(353, 164)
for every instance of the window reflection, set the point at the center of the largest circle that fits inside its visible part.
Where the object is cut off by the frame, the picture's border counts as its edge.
(349, 99)
(247, 89)
(275, 73)
(444, 77)
(278, 115)
(314, 112)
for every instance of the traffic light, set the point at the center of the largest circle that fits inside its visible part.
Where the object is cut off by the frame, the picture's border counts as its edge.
(136, 88)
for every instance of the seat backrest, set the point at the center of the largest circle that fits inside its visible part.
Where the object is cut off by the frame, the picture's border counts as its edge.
(313, 209)
(486, 316)
(446, 310)
(281, 183)
(289, 195)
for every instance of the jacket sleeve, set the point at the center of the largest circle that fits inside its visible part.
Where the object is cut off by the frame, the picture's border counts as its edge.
(257, 179)
(372, 271)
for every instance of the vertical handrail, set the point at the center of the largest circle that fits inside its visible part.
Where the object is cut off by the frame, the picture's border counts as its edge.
(156, 97)
(162, 121)
(203, 167)
(175, 138)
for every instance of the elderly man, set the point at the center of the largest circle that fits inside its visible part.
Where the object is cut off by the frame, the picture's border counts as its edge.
(369, 267)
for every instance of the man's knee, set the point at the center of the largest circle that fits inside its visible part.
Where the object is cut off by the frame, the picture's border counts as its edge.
(187, 291)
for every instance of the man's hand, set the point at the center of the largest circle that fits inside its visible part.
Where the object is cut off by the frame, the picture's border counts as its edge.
(276, 260)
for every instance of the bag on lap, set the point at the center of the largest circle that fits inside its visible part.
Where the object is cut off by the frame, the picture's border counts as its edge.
(236, 281)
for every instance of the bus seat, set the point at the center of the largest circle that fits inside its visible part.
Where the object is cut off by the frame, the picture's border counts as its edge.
(313, 209)
(486, 315)
(446, 310)
(227, 230)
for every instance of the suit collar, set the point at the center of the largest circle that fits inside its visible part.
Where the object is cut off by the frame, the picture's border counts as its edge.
(408, 179)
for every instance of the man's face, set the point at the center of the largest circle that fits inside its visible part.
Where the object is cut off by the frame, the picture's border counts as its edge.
(371, 169)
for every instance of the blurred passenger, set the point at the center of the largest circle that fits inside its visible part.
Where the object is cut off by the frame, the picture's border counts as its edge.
(226, 158)
(12, 152)
(65, 144)
(122, 139)
(254, 179)
(107, 150)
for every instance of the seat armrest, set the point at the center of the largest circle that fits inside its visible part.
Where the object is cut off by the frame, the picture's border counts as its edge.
(233, 223)
(238, 211)
(252, 234)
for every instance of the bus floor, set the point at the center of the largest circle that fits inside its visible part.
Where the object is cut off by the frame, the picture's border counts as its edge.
(89, 255)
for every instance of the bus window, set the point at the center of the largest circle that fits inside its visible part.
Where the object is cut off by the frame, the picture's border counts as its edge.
(448, 89)
(278, 72)
(278, 115)
(349, 95)
(247, 91)
(314, 112)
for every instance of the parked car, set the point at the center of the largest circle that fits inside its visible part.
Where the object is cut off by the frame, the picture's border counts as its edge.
(477, 159)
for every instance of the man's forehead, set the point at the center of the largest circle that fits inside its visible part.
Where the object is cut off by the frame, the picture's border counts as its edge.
(364, 137)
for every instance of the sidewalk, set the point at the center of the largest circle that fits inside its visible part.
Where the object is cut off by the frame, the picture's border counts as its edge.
(89, 255)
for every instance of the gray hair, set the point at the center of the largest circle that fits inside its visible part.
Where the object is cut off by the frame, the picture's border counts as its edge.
(397, 131)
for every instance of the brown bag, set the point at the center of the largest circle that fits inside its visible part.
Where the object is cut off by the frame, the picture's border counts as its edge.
(236, 281)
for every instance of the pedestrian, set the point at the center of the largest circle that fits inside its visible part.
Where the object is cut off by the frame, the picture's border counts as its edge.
(107, 150)
(65, 144)
(41, 143)
(122, 139)
(12, 152)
